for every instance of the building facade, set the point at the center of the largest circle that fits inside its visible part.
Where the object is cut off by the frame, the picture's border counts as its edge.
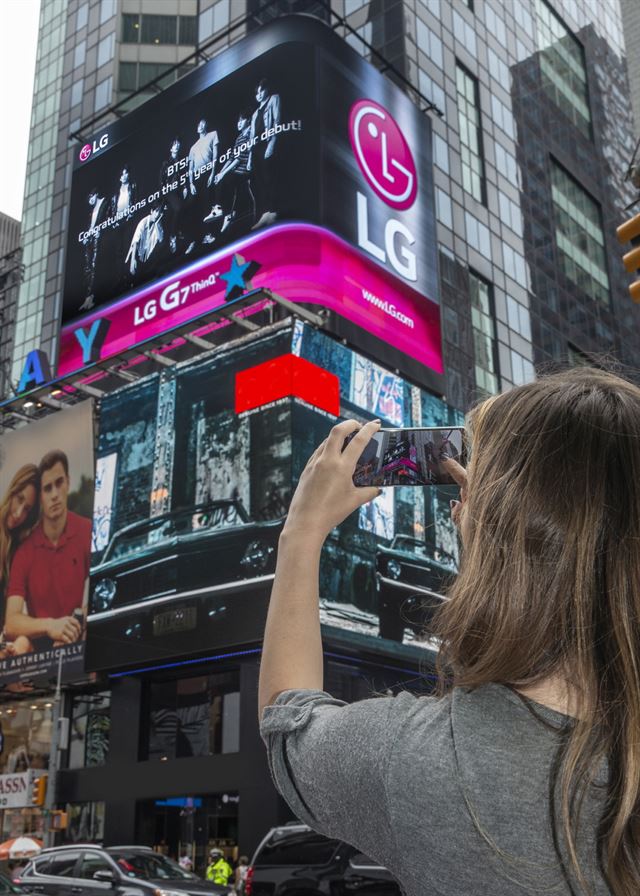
(10, 277)
(531, 117)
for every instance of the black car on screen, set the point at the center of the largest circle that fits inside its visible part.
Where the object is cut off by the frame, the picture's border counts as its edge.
(116, 870)
(184, 576)
(410, 582)
(295, 861)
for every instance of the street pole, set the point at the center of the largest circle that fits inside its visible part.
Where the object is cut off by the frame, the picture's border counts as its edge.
(54, 757)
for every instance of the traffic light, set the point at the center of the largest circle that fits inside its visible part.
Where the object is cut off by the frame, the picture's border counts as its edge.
(39, 790)
(629, 232)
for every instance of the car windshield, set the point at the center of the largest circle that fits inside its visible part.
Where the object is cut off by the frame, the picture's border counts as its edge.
(150, 866)
(220, 515)
(406, 543)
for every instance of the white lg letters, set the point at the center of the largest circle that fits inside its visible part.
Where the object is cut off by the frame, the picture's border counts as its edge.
(397, 239)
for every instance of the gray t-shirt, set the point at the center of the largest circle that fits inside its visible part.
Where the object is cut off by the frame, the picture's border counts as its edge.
(403, 778)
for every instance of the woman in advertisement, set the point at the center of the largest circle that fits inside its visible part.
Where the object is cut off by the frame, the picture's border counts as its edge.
(19, 513)
(522, 775)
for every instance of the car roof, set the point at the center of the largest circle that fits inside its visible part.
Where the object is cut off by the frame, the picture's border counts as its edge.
(75, 846)
(132, 846)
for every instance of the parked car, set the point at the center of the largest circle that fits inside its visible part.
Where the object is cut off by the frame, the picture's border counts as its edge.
(410, 582)
(295, 861)
(168, 578)
(115, 870)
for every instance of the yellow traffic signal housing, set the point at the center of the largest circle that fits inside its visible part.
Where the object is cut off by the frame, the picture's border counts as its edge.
(39, 790)
(629, 232)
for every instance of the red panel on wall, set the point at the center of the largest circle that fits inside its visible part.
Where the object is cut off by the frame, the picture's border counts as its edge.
(284, 377)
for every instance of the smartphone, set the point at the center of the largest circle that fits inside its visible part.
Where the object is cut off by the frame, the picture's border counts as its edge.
(409, 456)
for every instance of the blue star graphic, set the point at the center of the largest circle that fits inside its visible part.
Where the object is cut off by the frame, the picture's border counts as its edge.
(238, 277)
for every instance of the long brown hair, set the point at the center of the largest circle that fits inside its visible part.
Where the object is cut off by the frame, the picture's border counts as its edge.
(11, 538)
(549, 585)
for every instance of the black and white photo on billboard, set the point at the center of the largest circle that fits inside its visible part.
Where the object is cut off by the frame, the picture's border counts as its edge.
(189, 505)
(229, 160)
(191, 497)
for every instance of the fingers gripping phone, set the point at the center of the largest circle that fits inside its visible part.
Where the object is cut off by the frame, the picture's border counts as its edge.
(409, 456)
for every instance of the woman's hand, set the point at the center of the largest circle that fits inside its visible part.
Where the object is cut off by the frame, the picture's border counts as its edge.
(326, 495)
(458, 473)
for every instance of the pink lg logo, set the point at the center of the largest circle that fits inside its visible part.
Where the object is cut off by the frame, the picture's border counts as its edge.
(85, 152)
(383, 154)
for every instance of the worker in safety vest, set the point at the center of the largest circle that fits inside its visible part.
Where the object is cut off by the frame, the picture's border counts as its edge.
(219, 870)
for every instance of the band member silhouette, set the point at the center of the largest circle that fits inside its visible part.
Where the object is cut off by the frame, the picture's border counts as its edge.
(261, 161)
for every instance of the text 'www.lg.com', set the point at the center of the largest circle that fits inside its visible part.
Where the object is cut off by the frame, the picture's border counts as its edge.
(388, 308)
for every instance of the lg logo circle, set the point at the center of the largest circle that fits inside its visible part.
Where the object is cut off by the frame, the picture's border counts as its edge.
(85, 152)
(383, 154)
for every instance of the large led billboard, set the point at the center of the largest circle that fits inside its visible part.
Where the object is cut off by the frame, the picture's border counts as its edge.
(288, 149)
(46, 489)
(196, 468)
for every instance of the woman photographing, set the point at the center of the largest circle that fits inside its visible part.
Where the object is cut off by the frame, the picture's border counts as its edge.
(522, 776)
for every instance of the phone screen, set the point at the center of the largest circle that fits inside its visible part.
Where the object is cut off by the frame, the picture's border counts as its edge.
(409, 457)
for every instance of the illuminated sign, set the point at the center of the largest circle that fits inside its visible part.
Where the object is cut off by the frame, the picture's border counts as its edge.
(303, 263)
(284, 377)
(289, 126)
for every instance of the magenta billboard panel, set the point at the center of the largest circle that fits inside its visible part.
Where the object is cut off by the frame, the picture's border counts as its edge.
(285, 138)
(303, 263)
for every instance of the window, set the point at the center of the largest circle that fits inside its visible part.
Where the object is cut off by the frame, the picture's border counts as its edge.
(103, 94)
(506, 165)
(562, 67)
(85, 823)
(297, 847)
(77, 91)
(90, 728)
(187, 29)
(579, 237)
(147, 71)
(495, 25)
(440, 153)
(128, 76)
(444, 209)
(502, 116)
(431, 90)
(499, 69)
(82, 16)
(518, 318)
(105, 49)
(478, 235)
(514, 265)
(92, 862)
(64, 864)
(79, 54)
(107, 10)
(470, 133)
(464, 33)
(42, 866)
(159, 30)
(484, 336)
(510, 213)
(130, 28)
(26, 728)
(194, 716)
(429, 43)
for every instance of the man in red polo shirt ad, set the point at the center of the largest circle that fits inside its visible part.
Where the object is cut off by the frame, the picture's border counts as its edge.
(49, 579)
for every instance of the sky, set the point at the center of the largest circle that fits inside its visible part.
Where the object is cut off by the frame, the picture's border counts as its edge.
(18, 39)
